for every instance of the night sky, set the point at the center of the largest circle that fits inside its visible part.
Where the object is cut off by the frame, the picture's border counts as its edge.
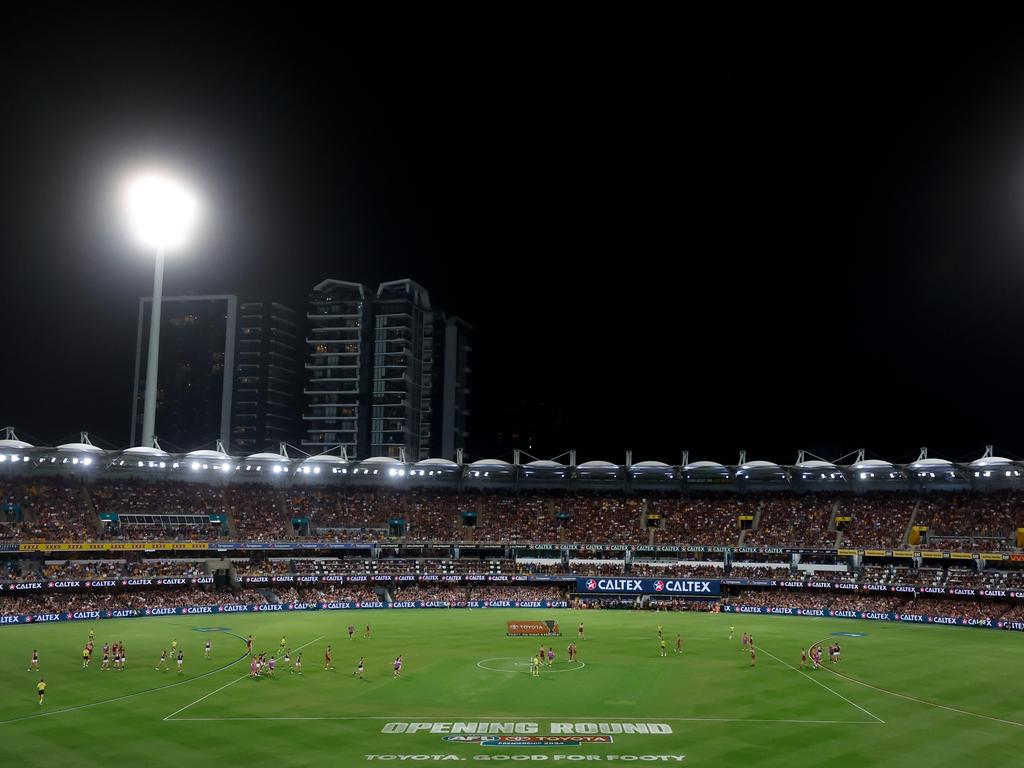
(673, 233)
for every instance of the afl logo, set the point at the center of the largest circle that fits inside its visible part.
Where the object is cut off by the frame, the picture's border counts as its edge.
(659, 586)
(591, 585)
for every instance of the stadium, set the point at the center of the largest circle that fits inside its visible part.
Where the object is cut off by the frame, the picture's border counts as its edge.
(654, 574)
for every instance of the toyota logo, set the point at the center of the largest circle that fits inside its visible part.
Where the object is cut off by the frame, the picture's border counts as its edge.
(591, 585)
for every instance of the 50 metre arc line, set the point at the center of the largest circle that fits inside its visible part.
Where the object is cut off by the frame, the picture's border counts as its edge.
(131, 695)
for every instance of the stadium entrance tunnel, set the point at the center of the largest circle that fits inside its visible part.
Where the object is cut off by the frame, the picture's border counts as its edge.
(522, 664)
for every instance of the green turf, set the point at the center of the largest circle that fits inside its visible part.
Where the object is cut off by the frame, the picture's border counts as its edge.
(721, 711)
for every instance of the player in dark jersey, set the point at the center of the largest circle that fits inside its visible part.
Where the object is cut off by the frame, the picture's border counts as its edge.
(359, 669)
(328, 659)
(34, 664)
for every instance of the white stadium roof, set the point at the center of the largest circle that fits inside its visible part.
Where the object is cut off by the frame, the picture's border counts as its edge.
(79, 448)
(872, 464)
(490, 463)
(931, 464)
(208, 454)
(141, 450)
(816, 464)
(325, 458)
(266, 457)
(991, 461)
(15, 445)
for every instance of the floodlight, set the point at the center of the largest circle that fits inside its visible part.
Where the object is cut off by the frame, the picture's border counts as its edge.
(161, 209)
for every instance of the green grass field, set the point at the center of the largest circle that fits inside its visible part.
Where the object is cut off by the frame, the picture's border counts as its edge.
(460, 666)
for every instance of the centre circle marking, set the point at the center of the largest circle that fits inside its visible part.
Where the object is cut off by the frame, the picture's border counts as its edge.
(508, 664)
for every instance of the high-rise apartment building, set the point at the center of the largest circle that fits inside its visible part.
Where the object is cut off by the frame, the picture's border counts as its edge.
(373, 372)
(267, 399)
(228, 371)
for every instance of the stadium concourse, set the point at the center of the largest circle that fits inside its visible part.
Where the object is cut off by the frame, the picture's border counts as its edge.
(78, 538)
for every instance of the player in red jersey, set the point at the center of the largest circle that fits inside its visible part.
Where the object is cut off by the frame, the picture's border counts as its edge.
(328, 659)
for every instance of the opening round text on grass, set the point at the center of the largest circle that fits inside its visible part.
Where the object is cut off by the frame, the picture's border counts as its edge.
(533, 758)
(471, 728)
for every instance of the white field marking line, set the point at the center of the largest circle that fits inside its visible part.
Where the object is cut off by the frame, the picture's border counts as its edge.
(228, 685)
(926, 702)
(126, 696)
(830, 690)
(545, 718)
(919, 701)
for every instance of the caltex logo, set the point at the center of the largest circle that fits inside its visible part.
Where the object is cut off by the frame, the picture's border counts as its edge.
(591, 585)
(659, 586)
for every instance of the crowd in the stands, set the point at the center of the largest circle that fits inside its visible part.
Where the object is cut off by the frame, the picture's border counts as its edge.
(62, 509)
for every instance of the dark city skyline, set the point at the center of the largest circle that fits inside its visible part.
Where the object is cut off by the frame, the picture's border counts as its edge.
(730, 234)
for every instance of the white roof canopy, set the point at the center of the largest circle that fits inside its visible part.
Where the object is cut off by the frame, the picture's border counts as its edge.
(704, 465)
(872, 464)
(325, 458)
(16, 445)
(490, 463)
(991, 461)
(752, 465)
(79, 448)
(207, 454)
(816, 464)
(266, 457)
(931, 464)
(141, 450)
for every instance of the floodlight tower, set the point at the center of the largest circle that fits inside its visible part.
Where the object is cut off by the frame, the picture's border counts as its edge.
(161, 211)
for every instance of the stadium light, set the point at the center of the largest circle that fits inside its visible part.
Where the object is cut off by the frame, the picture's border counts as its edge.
(162, 212)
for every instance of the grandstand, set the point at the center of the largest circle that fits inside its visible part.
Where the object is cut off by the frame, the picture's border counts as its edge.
(273, 530)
